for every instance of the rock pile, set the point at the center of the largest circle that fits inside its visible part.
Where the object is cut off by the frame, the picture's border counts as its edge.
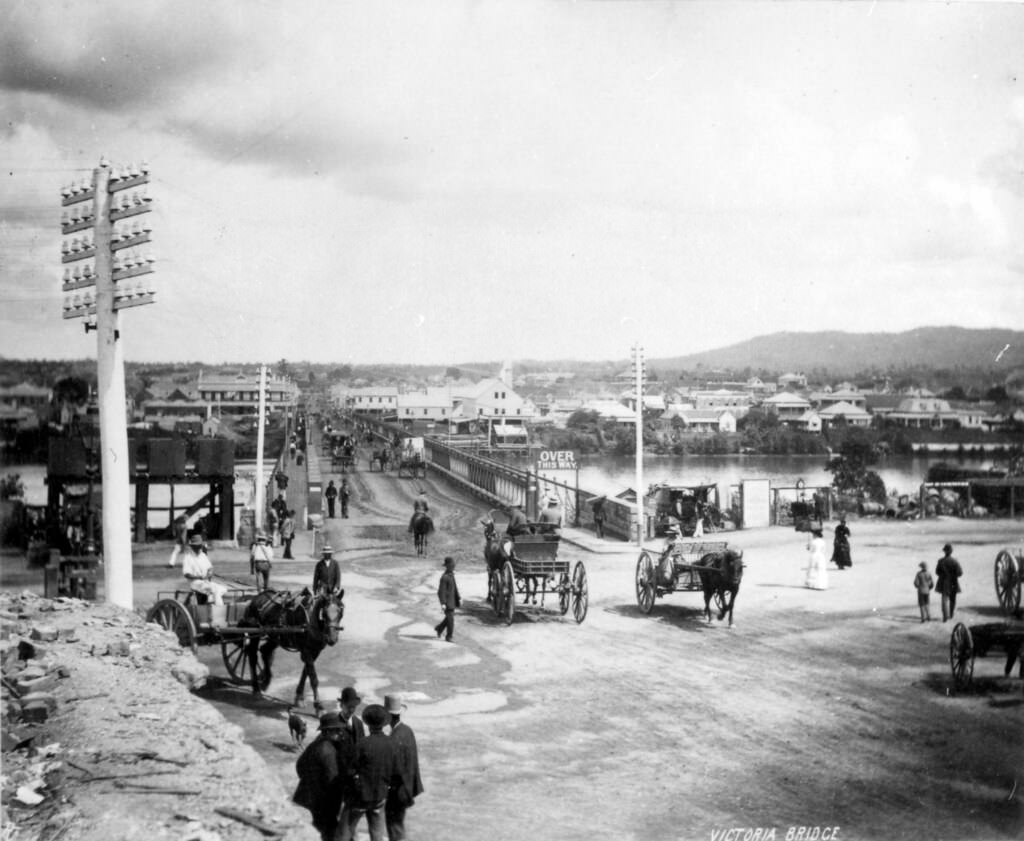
(102, 739)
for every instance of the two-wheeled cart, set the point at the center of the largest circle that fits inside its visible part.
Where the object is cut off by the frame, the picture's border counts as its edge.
(676, 569)
(533, 569)
(965, 644)
(189, 616)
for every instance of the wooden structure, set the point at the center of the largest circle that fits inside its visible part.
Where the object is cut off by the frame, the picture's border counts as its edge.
(1009, 577)
(153, 461)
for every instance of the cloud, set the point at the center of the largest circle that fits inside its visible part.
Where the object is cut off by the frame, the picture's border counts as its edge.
(95, 55)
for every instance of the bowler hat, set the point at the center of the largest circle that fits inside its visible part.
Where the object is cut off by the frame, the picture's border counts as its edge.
(349, 694)
(393, 704)
(948, 548)
(449, 561)
(331, 721)
(375, 717)
(195, 540)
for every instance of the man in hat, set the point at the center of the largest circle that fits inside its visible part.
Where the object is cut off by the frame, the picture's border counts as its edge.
(348, 703)
(198, 570)
(260, 556)
(408, 784)
(331, 495)
(448, 596)
(288, 534)
(551, 517)
(420, 508)
(924, 584)
(517, 522)
(947, 581)
(320, 781)
(327, 574)
(371, 776)
(343, 494)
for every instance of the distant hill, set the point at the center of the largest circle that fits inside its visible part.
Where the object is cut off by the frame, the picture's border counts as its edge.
(845, 354)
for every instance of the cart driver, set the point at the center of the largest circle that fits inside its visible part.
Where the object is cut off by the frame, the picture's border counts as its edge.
(672, 539)
(198, 570)
(327, 575)
(517, 522)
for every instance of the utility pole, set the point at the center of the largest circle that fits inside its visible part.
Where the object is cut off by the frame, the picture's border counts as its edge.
(99, 287)
(638, 371)
(261, 421)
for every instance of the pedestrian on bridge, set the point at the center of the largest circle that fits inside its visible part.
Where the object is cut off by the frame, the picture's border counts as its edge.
(331, 495)
(448, 596)
(343, 494)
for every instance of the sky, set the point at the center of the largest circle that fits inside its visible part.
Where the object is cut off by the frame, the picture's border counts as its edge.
(445, 182)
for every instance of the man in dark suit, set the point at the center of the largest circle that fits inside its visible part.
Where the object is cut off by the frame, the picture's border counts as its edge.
(408, 784)
(320, 783)
(327, 575)
(371, 776)
(448, 596)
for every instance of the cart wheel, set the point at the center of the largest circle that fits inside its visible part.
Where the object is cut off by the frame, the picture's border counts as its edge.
(564, 590)
(961, 655)
(508, 593)
(646, 587)
(237, 663)
(172, 615)
(580, 592)
(494, 590)
(1007, 582)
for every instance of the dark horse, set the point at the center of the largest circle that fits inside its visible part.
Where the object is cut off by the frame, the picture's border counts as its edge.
(720, 578)
(313, 623)
(497, 550)
(420, 526)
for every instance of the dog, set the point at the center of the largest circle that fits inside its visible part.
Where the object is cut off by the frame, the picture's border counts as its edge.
(297, 727)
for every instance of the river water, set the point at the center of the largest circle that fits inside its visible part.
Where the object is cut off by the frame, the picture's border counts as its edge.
(611, 475)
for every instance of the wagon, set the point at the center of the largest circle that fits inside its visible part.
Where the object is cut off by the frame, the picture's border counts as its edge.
(977, 641)
(1009, 575)
(534, 569)
(188, 615)
(677, 569)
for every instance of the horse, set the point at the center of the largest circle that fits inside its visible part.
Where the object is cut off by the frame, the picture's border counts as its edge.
(497, 551)
(320, 617)
(720, 576)
(421, 526)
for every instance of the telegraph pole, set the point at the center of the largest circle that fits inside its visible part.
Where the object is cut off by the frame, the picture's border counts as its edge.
(99, 290)
(638, 371)
(260, 420)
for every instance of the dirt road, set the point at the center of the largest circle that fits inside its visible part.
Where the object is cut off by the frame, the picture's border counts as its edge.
(831, 711)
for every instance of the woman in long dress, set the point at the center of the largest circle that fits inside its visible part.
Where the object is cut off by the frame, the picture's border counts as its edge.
(817, 574)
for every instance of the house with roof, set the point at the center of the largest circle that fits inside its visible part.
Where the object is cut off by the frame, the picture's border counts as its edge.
(239, 394)
(492, 401)
(792, 382)
(610, 410)
(924, 413)
(787, 407)
(737, 402)
(708, 420)
(809, 421)
(828, 397)
(379, 400)
(431, 405)
(25, 396)
(853, 415)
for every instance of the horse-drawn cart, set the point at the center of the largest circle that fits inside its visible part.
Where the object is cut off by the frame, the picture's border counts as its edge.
(1009, 575)
(977, 641)
(691, 565)
(531, 567)
(254, 624)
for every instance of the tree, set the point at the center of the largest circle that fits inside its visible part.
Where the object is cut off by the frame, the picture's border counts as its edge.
(453, 373)
(582, 419)
(849, 469)
(73, 390)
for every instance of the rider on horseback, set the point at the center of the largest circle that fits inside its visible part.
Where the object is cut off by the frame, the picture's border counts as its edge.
(420, 508)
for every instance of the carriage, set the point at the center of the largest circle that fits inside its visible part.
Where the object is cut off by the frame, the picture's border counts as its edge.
(380, 459)
(1009, 576)
(254, 624)
(978, 641)
(682, 566)
(342, 448)
(531, 567)
(411, 460)
(694, 507)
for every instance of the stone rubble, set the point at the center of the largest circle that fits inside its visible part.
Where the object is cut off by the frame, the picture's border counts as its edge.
(102, 738)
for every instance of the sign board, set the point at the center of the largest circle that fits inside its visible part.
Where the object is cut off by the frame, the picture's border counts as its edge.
(755, 501)
(556, 460)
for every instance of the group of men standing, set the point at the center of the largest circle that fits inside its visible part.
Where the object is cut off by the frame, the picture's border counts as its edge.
(333, 494)
(356, 768)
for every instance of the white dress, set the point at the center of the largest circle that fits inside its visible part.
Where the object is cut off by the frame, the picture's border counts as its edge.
(817, 573)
